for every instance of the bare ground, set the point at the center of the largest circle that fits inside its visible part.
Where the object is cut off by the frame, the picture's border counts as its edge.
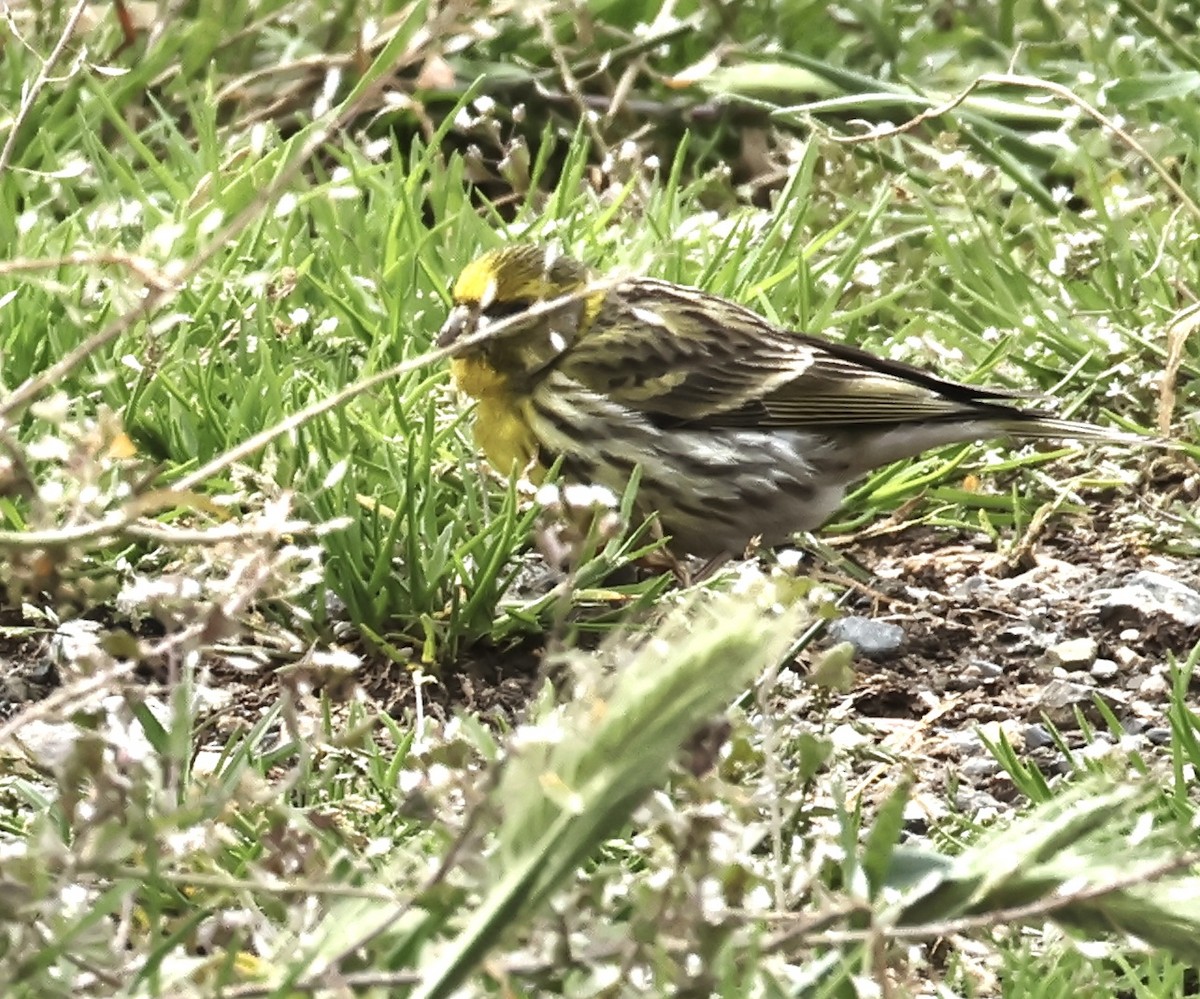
(983, 645)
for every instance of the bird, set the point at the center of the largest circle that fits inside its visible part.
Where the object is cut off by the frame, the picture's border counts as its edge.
(740, 430)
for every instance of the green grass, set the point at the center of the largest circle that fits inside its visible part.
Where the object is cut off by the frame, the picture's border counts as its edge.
(239, 236)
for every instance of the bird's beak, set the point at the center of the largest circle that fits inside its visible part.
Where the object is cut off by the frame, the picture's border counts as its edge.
(456, 324)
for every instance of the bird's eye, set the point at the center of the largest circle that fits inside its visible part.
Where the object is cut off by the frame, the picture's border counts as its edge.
(502, 310)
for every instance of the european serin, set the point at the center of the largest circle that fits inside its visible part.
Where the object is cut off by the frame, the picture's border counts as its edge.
(741, 428)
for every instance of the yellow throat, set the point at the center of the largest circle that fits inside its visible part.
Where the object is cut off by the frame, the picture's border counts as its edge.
(502, 428)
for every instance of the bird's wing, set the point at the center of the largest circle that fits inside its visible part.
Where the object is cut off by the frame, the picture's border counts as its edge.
(660, 349)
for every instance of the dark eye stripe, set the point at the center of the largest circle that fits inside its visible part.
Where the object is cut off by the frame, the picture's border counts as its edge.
(502, 310)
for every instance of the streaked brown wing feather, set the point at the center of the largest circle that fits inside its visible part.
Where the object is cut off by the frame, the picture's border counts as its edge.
(663, 352)
(656, 347)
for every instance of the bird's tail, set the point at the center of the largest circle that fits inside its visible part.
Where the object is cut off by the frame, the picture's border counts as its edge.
(1037, 427)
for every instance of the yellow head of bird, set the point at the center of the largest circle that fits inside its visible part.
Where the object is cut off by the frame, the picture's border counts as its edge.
(536, 292)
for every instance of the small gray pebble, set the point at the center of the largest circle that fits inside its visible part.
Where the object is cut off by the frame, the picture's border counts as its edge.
(870, 638)
(970, 802)
(1037, 737)
(1024, 592)
(1073, 654)
(970, 586)
(1145, 594)
(966, 741)
(1059, 699)
(1104, 669)
(981, 767)
(1159, 735)
(978, 805)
